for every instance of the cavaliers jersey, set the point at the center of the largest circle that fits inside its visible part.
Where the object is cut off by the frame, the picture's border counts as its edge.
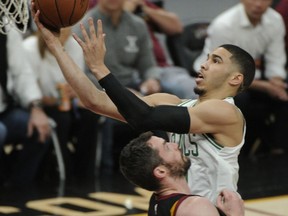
(165, 205)
(213, 166)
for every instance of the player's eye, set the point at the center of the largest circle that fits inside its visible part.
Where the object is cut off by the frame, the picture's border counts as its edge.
(216, 60)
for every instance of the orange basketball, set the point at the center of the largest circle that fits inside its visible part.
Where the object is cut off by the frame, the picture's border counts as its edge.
(56, 14)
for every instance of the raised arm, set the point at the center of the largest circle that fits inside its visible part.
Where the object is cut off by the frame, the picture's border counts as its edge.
(91, 97)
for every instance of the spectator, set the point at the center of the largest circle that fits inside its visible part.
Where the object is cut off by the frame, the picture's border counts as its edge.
(22, 119)
(75, 125)
(257, 28)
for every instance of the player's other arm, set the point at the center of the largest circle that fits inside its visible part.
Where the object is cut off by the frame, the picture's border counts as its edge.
(228, 203)
(196, 206)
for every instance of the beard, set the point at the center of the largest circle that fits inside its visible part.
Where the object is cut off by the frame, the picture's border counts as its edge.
(199, 91)
(179, 169)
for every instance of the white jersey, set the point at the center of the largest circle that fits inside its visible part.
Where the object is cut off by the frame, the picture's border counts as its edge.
(213, 166)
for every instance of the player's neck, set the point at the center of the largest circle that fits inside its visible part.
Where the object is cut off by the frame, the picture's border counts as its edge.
(215, 95)
(174, 185)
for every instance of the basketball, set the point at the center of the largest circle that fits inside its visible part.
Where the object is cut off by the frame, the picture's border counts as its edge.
(56, 14)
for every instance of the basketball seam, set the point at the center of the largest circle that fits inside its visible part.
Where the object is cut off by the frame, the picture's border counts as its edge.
(58, 12)
(72, 12)
(43, 14)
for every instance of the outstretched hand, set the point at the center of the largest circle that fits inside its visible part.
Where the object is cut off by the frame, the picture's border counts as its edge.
(94, 48)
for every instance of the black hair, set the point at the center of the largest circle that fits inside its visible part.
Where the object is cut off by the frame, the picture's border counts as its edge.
(245, 63)
(138, 161)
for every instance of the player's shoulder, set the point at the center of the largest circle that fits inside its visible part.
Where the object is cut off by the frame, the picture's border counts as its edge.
(196, 206)
(224, 106)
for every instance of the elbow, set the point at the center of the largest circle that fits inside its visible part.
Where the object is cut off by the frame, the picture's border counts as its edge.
(139, 126)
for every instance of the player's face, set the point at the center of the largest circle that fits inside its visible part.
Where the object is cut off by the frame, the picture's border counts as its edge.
(172, 156)
(255, 9)
(215, 72)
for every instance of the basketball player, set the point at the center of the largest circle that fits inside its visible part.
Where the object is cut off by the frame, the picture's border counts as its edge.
(210, 129)
(156, 165)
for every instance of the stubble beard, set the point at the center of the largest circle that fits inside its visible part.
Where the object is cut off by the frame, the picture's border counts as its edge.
(199, 91)
(179, 170)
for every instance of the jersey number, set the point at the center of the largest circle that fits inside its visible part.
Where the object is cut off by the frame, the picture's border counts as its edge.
(193, 150)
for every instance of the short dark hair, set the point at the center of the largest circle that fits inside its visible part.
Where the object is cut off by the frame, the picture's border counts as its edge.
(245, 63)
(138, 161)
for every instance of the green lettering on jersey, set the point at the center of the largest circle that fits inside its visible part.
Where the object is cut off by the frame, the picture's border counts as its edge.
(180, 139)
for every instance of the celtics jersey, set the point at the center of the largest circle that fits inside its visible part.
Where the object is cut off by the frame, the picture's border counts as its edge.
(213, 166)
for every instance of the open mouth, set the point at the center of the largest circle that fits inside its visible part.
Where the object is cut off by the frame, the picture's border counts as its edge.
(199, 77)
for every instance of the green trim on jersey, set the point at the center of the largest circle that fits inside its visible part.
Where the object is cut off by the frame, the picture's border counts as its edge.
(185, 102)
(215, 144)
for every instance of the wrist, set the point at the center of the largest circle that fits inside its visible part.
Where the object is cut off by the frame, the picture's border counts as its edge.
(36, 104)
(100, 72)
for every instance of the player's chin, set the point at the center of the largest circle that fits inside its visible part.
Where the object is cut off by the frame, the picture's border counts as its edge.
(199, 91)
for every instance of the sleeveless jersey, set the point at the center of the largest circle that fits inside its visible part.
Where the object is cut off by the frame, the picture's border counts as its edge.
(213, 166)
(165, 205)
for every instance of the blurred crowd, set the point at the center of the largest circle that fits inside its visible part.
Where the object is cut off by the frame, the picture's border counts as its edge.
(34, 94)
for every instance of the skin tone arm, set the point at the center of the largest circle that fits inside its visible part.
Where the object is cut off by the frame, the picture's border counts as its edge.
(94, 51)
(228, 201)
(91, 97)
(196, 206)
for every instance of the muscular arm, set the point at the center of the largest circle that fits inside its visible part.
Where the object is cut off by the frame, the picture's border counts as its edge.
(140, 115)
(196, 206)
(90, 96)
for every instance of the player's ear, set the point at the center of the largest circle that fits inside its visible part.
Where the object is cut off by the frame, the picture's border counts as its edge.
(236, 79)
(160, 172)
